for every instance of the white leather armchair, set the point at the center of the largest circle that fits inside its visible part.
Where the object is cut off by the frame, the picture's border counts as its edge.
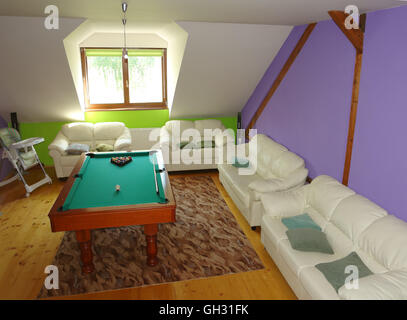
(274, 168)
(112, 133)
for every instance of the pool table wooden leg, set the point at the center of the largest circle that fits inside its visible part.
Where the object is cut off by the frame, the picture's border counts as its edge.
(85, 243)
(150, 230)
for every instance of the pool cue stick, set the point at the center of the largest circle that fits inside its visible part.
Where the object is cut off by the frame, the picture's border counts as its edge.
(155, 178)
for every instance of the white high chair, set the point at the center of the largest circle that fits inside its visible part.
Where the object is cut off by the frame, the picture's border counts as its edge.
(22, 155)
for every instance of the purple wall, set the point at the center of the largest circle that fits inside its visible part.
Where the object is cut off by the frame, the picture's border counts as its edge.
(309, 113)
(5, 165)
(379, 161)
(276, 65)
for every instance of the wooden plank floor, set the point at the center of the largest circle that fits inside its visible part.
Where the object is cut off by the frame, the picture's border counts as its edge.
(27, 246)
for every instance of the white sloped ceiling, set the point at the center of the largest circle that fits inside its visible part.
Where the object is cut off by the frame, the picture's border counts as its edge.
(223, 63)
(35, 78)
(220, 67)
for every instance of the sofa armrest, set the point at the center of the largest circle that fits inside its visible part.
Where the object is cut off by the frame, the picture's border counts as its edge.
(391, 285)
(123, 142)
(264, 186)
(284, 203)
(294, 179)
(165, 137)
(60, 143)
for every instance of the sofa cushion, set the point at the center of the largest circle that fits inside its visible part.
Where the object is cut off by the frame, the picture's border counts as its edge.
(335, 272)
(286, 163)
(354, 214)
(108, 130)
(388, 286)
(211, 124)
(370, 261)
(181, 125)
(317, 217)
(385, 240)
(338, 240)
(285, 203)
(326, 193)
(78, 131)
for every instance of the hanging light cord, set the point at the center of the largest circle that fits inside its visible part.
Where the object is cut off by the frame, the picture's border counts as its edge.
(124, 8)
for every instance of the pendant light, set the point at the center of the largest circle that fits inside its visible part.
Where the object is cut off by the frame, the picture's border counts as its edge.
(124, 9)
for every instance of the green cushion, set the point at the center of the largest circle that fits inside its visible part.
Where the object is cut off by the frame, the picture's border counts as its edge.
(206, 144)
(103, 147)
(301, 221)
(9, 136)
(310, 240)
(334, 271)
(241, 163)
(185, 145)
(197, 145)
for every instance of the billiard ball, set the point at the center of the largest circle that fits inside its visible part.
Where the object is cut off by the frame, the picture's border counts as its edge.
(117, 187)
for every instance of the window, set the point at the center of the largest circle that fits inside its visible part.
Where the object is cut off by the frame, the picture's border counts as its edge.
(112, 82)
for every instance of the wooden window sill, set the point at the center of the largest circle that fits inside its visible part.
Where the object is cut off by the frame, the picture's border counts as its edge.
(131, 108)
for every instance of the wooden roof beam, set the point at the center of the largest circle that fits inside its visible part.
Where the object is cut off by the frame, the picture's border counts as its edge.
(280, 77)
(355, 36)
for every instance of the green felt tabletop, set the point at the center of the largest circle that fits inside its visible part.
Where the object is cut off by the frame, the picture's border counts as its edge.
(95, 185)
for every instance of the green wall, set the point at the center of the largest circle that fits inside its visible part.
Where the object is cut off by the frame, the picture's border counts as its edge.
(132, 119)
(47, 130)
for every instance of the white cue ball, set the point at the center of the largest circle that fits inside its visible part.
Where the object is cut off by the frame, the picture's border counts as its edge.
(117, 187)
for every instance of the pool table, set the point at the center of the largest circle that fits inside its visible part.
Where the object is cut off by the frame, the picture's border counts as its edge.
(90, 200)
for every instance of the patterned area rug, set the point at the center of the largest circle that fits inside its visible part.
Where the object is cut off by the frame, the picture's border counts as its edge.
(205, 241)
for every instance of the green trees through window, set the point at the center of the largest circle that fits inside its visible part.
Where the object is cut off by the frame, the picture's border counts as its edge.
(110, 81)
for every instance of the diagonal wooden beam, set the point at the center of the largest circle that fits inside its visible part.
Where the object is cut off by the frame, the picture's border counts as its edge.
(352, 117)
(281, 76)
(355, 36)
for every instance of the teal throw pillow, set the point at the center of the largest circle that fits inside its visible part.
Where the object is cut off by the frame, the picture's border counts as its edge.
(240, 163)
(335, 271)
(301, 221)
(309, 240)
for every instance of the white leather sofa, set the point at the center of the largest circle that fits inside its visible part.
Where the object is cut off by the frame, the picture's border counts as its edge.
(275, 169)
(175, 132)
(112, 133)
(351, 223)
